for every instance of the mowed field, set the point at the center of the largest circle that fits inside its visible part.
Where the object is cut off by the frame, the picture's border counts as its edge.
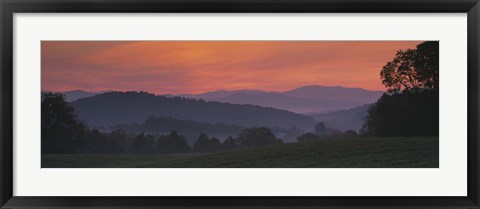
(358, 152)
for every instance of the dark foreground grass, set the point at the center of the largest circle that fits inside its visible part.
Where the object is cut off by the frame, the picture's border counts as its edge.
(395, 152)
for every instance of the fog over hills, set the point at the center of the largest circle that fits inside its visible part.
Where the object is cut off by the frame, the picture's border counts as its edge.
(71, 96)
(349, 119)
(305, 99)
(220, 94)
(339, 107)
(114, 108)
(335, 93)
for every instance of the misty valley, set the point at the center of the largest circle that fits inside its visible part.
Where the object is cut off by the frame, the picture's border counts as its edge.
(139, 128)
(308, 126)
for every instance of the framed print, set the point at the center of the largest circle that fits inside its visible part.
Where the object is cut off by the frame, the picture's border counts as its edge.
(239, 104)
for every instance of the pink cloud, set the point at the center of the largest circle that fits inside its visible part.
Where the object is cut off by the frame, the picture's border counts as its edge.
(199, 66)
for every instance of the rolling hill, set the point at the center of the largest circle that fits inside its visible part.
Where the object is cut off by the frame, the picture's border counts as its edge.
(301, 100)
(187, 128)
(349, 119)
(374, 152)
(336, 93)
(114, 108)
(71, 96)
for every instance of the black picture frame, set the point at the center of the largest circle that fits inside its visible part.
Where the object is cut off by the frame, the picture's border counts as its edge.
(9, 7)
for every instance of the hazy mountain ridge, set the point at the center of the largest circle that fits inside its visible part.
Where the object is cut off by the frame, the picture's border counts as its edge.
(349, 119)
(189, 129)
(114, 108)
(335, 93)
(73, 95)
(305, 99)
(221, 93)
(332, 105)
(284, 102)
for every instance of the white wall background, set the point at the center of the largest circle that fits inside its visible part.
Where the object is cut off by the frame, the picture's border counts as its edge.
(448, 180)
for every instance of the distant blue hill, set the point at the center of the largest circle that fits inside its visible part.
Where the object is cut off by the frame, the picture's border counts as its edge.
(114, 108)
(78, 94)
(306, 99)
(349, 119)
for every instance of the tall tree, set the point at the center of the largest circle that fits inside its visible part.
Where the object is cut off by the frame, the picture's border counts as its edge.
(230, 143)
(61, 131)
(205, 144)
(320, 129)
(95, 143)
(254, 137)
(142, 144)
(172, 143)
(405, 114)
(413, 69)
(411, 106)
(427, 59)
(306, 137)
(118, 142)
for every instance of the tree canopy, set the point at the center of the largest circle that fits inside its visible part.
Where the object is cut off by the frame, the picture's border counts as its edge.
(405, 114)
(173, 143)
(411, 106)
(205, 144)
(254, 137)
(413, 69)
(320, 128)
(61, 131)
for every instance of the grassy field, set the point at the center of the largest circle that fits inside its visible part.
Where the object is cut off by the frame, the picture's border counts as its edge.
(396, 152)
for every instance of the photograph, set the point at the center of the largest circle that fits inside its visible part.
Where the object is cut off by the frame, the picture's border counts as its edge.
(240, 104)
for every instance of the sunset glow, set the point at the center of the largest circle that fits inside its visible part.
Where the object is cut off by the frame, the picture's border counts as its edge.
(175, 67)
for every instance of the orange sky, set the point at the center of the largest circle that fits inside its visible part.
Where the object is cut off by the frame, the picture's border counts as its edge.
(198, 66)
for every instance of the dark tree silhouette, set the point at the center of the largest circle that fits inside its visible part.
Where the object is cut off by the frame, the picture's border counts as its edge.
(142, 144)
(95, 143)
(186, 127)
(117, 142)
(306, 137)
(291, 133)
(411, 105)
(205, 144)
(112, 108)
(350, 133)
(172, 143)
(427, 59)
(254, 137)
(230, 143)
(413, 68)
(320, 128)
(405, 114)
(61, 132)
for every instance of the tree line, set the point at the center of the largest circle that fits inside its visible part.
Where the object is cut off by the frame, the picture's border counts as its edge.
(321, 131)
(62, 133)
(113, 108)
(410, 107)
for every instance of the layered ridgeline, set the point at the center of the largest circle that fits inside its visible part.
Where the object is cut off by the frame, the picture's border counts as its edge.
(348, 119)
(189, 129)
(113, 108)
(306, 100)
(71, 96)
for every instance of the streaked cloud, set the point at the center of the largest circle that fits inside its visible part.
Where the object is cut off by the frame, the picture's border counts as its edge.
(198, 66)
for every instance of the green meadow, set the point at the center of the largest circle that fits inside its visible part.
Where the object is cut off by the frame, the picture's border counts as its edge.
(357, 152)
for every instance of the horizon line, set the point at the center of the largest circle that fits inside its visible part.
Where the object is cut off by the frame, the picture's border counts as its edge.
(267, 91)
